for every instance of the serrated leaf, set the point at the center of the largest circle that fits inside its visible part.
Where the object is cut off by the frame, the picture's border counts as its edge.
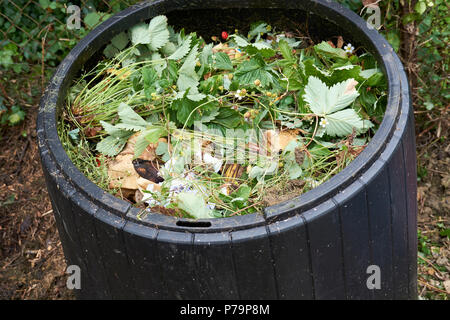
(140, 34)
(262, 48)
(120, 41)
(158, 63)
(141, 144)
(257, 30)
(194, 204)
(183, 108)
(222, 61)
(130, 119)
(210, 116)
(241, 42)
(294, 170)
(163, 150)
(324, 100)
(286, 51)
(168, 49)
(110, 51)
(159, 33)
(111, 146)
(252, 48)
(325, 49)
(228, 118)
(252, 70)
(114, 131)
(182, 51)
(188, 78)
(341, 123)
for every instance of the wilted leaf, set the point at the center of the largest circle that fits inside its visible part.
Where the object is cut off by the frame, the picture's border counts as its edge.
(194, 205)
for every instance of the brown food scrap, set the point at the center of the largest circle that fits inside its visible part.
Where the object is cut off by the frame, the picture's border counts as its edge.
(299, 156)
(221, 47)
(92, 131)
(231, 172)
(147, 170)
(340, 42)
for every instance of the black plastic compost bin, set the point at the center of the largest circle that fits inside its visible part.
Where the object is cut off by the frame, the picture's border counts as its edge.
(316, 246)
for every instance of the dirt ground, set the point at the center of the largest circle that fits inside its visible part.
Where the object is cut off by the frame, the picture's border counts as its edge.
(434, 213)
(32, 264)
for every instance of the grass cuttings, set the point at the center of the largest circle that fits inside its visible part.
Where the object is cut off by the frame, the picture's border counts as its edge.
(200, 130)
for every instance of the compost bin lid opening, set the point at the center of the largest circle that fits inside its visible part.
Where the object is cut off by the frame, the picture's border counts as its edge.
(325, 10)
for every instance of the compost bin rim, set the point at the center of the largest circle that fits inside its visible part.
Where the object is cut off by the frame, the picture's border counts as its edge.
(49, 141)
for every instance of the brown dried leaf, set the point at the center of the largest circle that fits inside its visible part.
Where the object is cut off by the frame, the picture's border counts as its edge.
(277, 142)
(92, 131)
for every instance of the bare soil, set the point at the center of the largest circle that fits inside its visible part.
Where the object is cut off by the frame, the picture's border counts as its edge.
(32, 264)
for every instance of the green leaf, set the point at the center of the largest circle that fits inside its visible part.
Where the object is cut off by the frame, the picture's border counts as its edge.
(429, 105)
(228, 118)
(209, 116)
(168, 49)
(163, 150)
(141, 144)
(241, 42)
(74, 134)
(294, 170)
(255, 69)
(286, 51)
(420, 7)
(16, 116)
(149, 76)
(140, 34)
(92, 19)
(394, 39)
(159, 33)
(153, 134)
(44, 3)
(120, 41)
(183, 108)
(130, 120)
(325, 49)
(115, 131)
(194, 205)
(341, 123)
(223, 61)
(262, 48)
(324, 100)
(253, 48)
(259, 172)
(188, 78)
(182, 50)
(243, 192)
(110, 51)
(257, 30)
(111, 146)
